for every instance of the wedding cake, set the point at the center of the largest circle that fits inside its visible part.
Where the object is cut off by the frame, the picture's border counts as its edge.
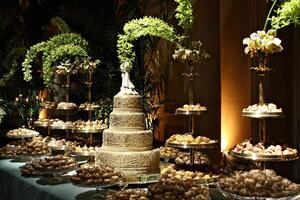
(127, 145)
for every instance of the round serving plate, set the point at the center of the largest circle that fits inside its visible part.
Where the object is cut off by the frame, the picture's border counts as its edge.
(141, 179)
(61, 127)
(58, 148)
(51, 172)
(180, 111)
(9, 157)
(263, 115)
(167, 158)
(48, 107)
(41, 124)
(87, 131)
(23, 158)
(193, 146)
(263, 157)
(82, 154)
(22, 136)
(96, 186)
(207, 181)
(89, 108)
(230, 195)
(88, 165)
(66, 108)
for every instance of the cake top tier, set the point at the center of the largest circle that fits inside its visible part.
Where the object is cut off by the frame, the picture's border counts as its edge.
(126, 102)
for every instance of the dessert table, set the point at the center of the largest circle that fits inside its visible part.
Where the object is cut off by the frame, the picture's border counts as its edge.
(16, 187)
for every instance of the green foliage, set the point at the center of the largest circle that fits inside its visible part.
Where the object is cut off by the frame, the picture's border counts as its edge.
(62, 53)
(27, 107)
(287, 13)
(184, 13)
(31, 55)
(137, 28)
(106, 107)
(11, 63)
(61, 25)
(58, 48)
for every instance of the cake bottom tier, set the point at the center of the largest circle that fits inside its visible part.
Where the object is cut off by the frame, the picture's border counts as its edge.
(130, 162)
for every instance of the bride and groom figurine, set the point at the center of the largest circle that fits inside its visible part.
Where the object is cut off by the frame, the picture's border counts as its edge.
(127, 87)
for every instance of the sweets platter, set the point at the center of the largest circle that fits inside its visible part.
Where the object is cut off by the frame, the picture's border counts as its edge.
(193, 146)
(263, 115)
(263, 157)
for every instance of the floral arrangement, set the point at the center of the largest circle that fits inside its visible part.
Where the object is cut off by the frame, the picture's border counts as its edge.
(137, 28)
(190, 56)
(60, 48)
(262, 43)
(192, 52)
(89, 65)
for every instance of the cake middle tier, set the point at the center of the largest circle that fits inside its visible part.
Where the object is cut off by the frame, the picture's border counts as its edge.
(127, 121)
(129, 162)
(127, 140)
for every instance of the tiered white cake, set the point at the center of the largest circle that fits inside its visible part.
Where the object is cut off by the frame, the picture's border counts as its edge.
(127, 146)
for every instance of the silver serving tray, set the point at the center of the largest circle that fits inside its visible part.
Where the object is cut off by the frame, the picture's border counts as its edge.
(230, 195)
(189, 112)
(193, 146)
(263, 157)
(263, 115)
(87, 131)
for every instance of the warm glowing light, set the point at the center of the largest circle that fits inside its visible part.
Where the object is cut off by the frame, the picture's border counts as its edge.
(43, 114)
(224, 141)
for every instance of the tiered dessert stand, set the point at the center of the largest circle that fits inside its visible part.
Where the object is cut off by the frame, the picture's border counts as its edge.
(66, 110)
(89, 107)
(262, 135)
(192, 113)
(69, 110)
(48, 106)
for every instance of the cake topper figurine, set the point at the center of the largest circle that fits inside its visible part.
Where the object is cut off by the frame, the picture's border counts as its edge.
(127, 86)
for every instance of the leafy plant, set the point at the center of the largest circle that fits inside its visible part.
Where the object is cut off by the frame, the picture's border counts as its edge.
(58, 49)
(288, 13)
(61, 25)
(137, 28)
(184, 13)
(106, 107)
(27, 108)
(11, 63)
(63, 53)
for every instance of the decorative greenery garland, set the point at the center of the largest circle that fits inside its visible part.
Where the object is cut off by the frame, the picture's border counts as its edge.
(184, 13)
(52, 51)
(63, 53)
(288, 13)
(136, 29)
